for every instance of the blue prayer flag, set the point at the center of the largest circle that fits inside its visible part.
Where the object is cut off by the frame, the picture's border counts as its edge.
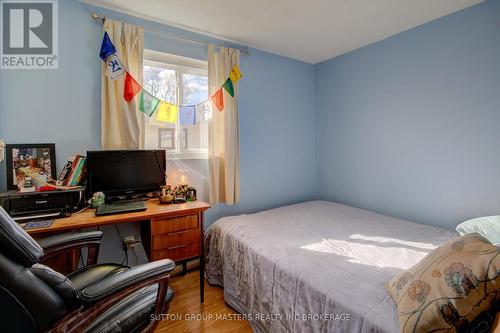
(107, 47)
(187, 115)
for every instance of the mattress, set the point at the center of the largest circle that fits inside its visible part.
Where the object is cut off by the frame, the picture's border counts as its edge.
(315, 267)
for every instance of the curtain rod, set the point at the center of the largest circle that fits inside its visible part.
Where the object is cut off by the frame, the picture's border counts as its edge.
(97, 17)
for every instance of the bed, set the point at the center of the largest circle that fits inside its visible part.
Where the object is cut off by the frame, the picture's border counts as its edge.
(315, 267)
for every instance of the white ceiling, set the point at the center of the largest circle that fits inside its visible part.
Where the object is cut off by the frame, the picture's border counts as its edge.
(307, 30)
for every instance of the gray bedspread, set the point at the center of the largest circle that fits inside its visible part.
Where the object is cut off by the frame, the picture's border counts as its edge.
(315, 267)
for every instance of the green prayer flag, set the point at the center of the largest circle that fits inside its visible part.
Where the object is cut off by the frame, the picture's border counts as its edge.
(228, 85)
(148, 103)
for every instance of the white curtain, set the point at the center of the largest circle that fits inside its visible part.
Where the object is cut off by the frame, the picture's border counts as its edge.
(223, 142)
(122, 126)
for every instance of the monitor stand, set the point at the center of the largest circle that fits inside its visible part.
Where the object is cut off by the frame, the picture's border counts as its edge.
(121, 207)
(127, 198)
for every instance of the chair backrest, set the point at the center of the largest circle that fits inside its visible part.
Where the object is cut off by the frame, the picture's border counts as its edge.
(16, 242)
(32, 296)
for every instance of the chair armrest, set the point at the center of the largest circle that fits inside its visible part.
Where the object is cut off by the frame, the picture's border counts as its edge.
(55, 246)
(127, 279)
(69, 239)
(102, 295)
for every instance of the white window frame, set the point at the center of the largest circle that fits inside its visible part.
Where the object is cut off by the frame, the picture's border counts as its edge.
(181, 65)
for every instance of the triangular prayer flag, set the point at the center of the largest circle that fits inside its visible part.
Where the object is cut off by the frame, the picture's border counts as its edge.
(228, 85)
(218, 99)
(167, 113)
(148, 103)
(203, 111)
(235, 74)
(107, 47)
(187, 115)
(130, 88)
(113, 67)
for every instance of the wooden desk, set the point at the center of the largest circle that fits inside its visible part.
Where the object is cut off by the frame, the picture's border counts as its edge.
(167, 231)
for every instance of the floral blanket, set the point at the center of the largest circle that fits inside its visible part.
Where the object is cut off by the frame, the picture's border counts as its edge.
(315, 267)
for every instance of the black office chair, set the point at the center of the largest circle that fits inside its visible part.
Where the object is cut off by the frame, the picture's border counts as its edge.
(96, 298)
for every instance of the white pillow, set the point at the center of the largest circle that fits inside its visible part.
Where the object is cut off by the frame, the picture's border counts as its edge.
(487, 226)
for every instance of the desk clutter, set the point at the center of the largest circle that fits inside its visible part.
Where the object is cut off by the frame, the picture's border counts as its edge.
(117, 181)
(168, 195)
(74, 172)
(177, 194)
(34, 190)
(32, 168)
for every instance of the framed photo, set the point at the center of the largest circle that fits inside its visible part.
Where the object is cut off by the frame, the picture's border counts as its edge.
(37, 161)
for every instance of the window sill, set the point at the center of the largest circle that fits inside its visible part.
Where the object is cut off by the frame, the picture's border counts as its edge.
(187, 156)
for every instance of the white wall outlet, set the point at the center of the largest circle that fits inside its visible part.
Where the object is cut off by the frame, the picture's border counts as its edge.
(129, 239)
(130, 242)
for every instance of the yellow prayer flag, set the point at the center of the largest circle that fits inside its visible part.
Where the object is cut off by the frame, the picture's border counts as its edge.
(167, 113)
(235, 74)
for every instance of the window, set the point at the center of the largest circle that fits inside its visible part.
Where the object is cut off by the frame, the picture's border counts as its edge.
(184, 81)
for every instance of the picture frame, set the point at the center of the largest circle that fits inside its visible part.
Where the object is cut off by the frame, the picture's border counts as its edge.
(28, 160)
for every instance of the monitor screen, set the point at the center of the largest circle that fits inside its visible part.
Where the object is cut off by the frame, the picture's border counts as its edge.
(125, 172)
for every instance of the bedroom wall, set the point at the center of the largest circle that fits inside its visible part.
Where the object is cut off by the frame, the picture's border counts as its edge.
(409, 126)
(63, 106)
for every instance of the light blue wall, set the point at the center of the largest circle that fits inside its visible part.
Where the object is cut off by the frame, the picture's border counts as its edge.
(407, 126)
(410, 126)
(63, 106)
(276, 107)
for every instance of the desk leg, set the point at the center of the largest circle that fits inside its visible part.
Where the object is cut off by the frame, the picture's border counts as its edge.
(202, 261)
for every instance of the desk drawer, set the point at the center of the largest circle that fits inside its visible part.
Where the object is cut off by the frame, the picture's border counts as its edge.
(175, 238)
(178, 252)
(163, 226)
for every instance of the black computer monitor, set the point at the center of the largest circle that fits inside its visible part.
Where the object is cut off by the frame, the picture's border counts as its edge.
(125, 173)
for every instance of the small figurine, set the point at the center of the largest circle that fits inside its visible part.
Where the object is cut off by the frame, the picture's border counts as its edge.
(166, 196)
(27, 186)
(177, 194)
(191, 194)
(97, 200)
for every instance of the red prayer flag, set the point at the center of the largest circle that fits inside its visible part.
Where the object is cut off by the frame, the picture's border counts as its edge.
(131, 88)
(218, 99)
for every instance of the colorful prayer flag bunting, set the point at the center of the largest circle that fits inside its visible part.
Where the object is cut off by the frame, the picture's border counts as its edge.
(167, 113)
(114, 68)
(228, 85)
(148, 103)
(187, 115)
(235, 74)
(107, 47)
(218, 99)
(130, 88)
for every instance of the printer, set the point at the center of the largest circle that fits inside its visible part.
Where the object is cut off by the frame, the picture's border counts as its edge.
(23, 207)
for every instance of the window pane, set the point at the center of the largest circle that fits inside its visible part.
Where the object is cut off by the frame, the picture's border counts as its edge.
(178, 83)
(161, 83)
(195, 90)
(166, 138)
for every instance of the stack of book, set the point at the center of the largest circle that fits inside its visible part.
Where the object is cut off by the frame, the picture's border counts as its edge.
(74, 172)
